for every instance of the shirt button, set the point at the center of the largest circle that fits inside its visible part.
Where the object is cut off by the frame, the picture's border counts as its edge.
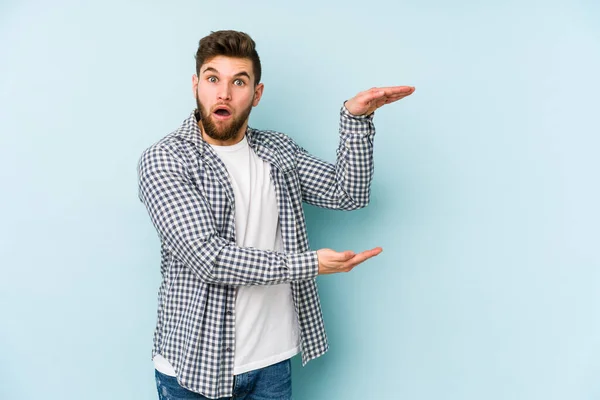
(229, 313)
(228, 349)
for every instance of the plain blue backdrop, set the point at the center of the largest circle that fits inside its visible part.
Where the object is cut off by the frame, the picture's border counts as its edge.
(485, 197)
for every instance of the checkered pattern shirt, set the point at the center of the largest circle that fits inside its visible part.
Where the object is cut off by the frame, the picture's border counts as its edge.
(186, 190)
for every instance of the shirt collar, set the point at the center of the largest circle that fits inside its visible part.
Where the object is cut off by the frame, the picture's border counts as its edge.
(190, 131)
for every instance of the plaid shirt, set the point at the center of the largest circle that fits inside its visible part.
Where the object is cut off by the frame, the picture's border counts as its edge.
(186, 190)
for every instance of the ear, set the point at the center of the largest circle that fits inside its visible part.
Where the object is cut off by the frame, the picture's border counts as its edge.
(258, 91)
(195, 84)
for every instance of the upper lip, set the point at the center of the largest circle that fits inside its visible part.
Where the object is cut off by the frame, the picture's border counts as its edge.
(222, 107)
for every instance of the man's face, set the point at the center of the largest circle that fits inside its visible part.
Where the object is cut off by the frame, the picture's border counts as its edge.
(225, 94)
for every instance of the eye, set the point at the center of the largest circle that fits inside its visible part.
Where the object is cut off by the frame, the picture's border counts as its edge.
(239, 82)
(212, 79)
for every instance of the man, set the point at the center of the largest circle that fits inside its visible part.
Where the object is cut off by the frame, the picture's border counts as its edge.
(238, 296)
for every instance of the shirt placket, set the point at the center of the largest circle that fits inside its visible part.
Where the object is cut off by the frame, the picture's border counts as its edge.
(229, 341)
(227, 346)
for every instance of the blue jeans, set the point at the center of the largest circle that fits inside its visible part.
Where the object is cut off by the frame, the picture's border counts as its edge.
(272, 382)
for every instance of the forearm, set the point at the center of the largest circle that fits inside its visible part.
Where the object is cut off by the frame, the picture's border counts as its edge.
(217, 261)
(354, 165)
(345, 184)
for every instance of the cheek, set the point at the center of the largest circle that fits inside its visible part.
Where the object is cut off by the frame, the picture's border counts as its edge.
(243, 100)
(204, 97)
(204, 90)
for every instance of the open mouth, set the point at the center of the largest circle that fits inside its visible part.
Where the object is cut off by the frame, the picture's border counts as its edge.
(222, 112)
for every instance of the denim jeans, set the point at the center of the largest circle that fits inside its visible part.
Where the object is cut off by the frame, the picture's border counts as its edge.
(272, 382)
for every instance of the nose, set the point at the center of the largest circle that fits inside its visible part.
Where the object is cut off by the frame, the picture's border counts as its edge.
(224, 92)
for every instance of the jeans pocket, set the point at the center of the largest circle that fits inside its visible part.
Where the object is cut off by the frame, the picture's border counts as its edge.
(169, 389)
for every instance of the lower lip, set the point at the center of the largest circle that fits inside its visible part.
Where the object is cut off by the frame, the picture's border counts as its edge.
(221, 117)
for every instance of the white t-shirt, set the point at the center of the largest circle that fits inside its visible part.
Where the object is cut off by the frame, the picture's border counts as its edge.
(266, 325)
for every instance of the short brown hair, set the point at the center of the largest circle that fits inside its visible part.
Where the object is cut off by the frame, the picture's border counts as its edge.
(230, 44)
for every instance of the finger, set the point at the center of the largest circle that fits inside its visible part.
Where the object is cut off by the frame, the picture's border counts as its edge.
(376, 94)
(364, 256)
(398, 95)
(370, 95)
(373, 252)
(394, 90)
(389, 100)
(357, 260)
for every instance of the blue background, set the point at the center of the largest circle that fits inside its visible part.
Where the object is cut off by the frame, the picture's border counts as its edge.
(485, 196)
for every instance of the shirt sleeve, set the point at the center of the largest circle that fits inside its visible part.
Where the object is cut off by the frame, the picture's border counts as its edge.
(186, 225)
(346, 184)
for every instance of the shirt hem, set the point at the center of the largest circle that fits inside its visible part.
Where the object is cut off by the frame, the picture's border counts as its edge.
(162, 365)
(266, 362)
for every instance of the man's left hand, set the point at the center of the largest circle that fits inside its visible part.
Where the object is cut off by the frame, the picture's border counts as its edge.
(370, 100)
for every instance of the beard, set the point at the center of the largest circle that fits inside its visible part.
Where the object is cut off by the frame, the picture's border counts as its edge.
(227, 130)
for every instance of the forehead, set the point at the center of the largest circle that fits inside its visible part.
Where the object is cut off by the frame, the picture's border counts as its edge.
(228, 65)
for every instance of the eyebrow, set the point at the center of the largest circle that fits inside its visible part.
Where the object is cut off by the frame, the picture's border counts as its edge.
(242, 73)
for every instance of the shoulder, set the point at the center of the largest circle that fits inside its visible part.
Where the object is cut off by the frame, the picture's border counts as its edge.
(168, 152)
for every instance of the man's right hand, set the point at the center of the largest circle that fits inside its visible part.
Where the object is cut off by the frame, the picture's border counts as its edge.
(332, 262)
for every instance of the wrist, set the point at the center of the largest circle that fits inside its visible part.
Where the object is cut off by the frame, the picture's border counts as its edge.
(346, 112)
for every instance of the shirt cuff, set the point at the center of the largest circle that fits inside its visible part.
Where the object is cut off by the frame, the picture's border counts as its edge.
(303, 266)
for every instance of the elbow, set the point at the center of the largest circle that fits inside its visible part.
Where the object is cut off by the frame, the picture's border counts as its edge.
(351, 204)
(362, 204)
